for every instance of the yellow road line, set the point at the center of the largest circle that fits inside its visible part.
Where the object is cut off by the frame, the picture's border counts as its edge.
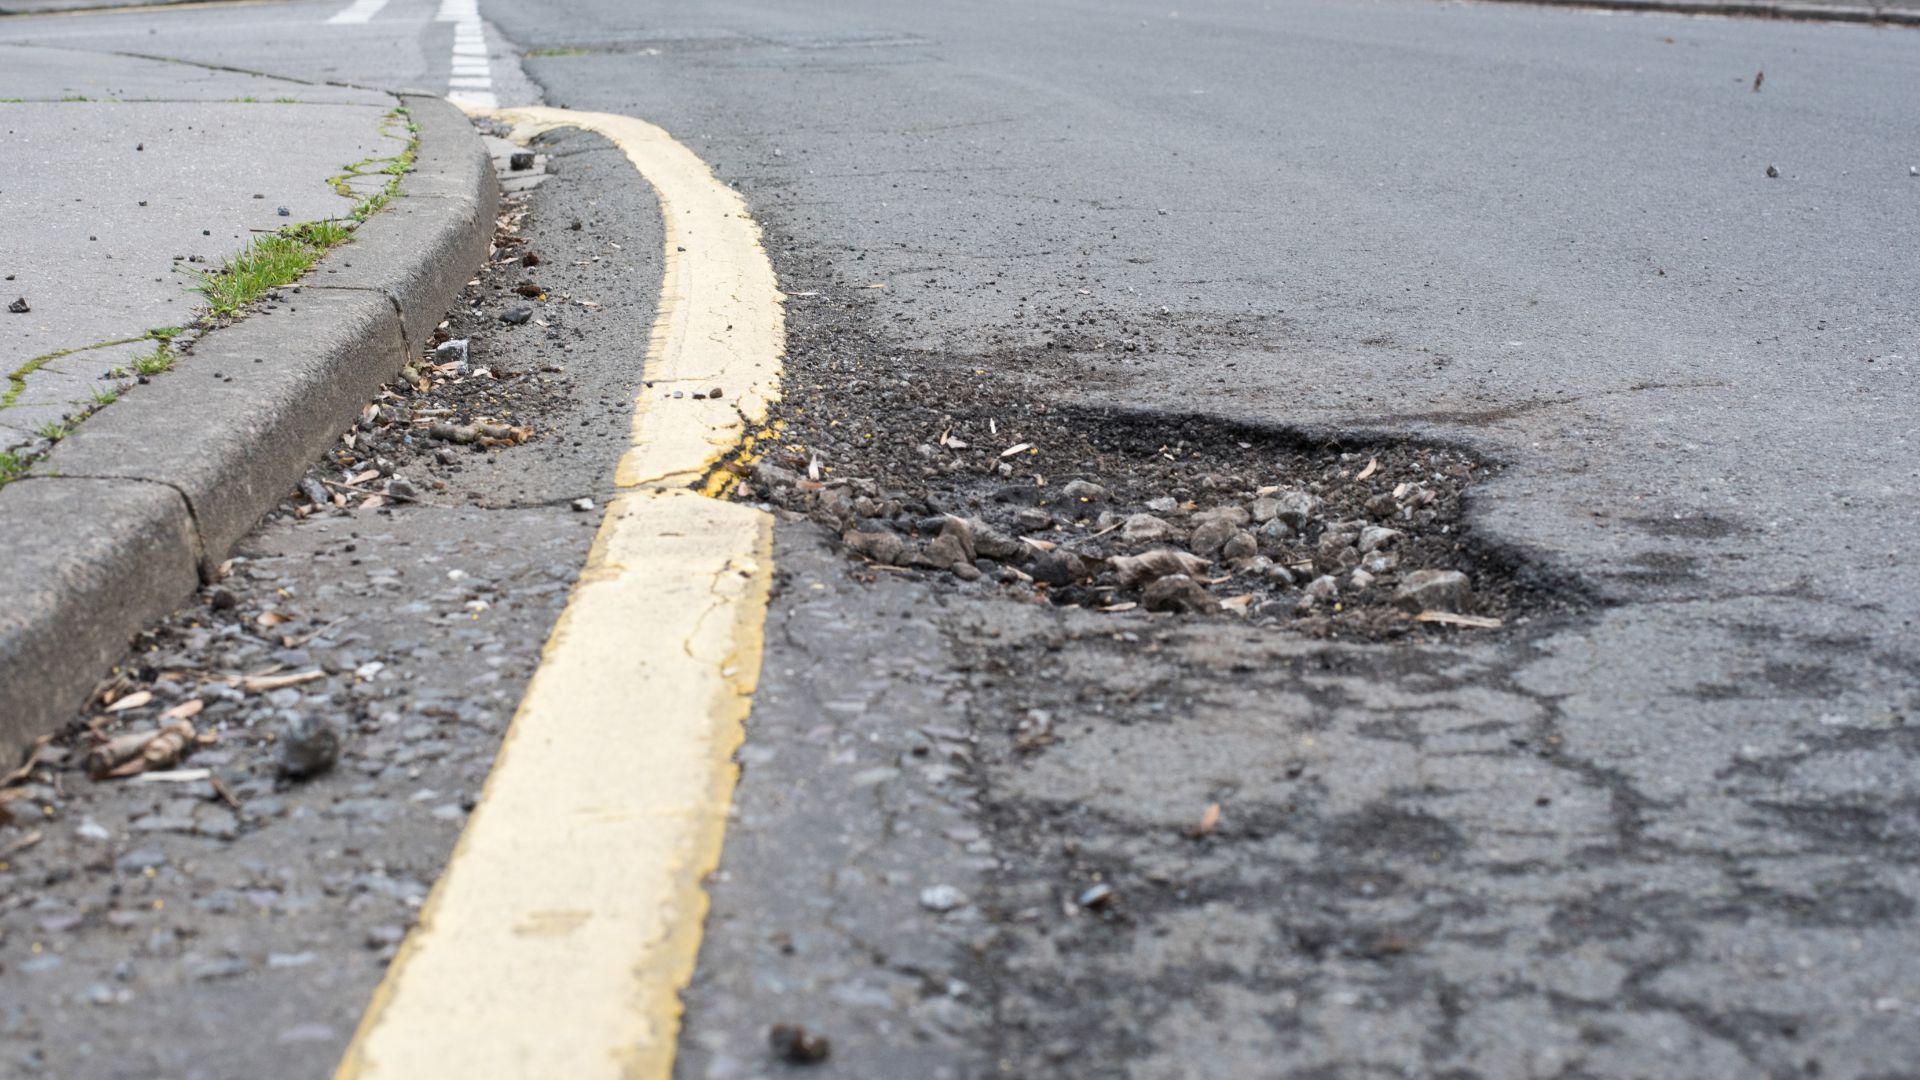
(555, 945)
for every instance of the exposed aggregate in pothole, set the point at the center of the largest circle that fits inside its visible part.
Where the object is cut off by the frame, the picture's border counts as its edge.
(962, 466)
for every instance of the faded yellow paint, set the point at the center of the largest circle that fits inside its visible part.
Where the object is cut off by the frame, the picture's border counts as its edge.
(567, 922)
(720, 325)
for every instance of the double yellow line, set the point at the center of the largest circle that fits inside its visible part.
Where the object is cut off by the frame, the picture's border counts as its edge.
(555, 945)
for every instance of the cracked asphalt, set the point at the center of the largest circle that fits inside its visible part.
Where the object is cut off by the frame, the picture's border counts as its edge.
(1669, 834)
(1665, 825)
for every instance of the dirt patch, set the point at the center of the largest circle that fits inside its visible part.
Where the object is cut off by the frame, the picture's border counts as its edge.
(980, 470)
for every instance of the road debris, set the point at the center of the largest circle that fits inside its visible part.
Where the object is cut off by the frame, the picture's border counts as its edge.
(942, 898)
(140, 751)
(1096, 897)
(1209, 821)
(797, 1046)
(309, 746)
(1128, 515)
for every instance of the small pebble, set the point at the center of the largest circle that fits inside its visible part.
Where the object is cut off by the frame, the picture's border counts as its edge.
(942, 898)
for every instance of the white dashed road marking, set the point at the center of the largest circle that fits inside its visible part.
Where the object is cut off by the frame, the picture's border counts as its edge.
(471, 81)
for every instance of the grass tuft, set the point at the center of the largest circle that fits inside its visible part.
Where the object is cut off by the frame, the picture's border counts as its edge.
(12, 467)
(155, 362)
(268, 263)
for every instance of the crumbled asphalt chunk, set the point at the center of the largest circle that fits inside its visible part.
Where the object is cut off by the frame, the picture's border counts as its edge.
(517, 315)
(309, 746)
(797, 1046)
(20, 306)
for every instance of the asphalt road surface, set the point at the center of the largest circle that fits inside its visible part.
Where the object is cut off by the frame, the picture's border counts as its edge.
(1665, 821)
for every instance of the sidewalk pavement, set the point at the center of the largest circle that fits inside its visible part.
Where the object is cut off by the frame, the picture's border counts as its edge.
(127, 179)
(61, 7)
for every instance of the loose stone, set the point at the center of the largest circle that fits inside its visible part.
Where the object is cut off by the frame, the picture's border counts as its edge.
(1241, 545)
(1083, 491)
(1211, 535)
(1434, 590)
(881, 547)
(309, 746)
(1178, 593)
(1145, 528)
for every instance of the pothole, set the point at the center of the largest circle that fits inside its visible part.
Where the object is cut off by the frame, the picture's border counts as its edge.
(966, 469)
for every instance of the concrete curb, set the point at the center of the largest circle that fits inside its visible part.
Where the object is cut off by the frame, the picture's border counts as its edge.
(1751, 9)
(77, 7)
(127, 516)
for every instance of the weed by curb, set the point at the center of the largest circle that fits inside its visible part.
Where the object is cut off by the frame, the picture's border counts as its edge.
(270, 262)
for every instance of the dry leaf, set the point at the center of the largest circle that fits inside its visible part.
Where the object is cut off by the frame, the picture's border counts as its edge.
(1373, 466)
(131, 701)
(21, 843)
(272, 618)
(141, 751)
(1126, 605)
(1042, 545)
(1448, 618)
(1015, 449)
(186, 710)
(1155, 564)
(259, 684)
(1237, 603)
(26, 769)
(1208, 821)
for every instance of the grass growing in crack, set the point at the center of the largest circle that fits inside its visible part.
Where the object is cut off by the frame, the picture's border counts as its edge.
(392, 167)
(17, 379)
(155, 362)
(281, 258)
(53, 431)
(271, 261)
(268, 263)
